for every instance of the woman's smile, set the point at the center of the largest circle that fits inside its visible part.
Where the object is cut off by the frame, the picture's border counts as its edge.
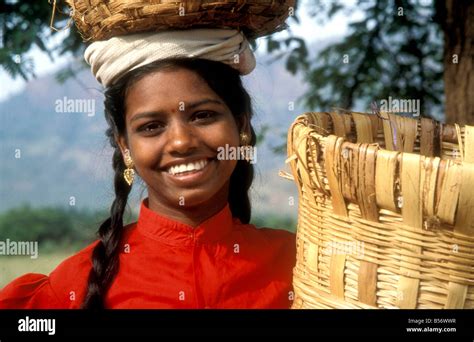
(193, 173)
(189, 167)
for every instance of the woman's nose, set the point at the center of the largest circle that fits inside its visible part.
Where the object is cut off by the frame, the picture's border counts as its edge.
(181, 138)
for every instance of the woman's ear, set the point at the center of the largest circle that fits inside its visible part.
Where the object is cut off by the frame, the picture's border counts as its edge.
(122, 143)
(244, 124)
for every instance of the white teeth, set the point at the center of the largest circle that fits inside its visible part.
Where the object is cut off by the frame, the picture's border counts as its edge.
(196, 166)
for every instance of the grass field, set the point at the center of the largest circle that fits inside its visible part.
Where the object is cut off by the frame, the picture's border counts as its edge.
(12, 267)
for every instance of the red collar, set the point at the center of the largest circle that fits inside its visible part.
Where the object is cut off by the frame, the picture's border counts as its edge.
(174, 232)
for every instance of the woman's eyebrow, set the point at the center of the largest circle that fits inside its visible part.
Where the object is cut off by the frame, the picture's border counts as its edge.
(204, 101)
(147, 115)
(187, 106)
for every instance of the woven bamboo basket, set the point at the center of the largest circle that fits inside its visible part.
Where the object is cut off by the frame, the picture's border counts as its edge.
(386, 212)
(102, 19)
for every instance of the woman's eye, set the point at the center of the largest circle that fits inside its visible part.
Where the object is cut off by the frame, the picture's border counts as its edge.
(204, 115)
(151, 127)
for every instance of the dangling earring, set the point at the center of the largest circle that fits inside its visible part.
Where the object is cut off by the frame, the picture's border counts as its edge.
(246, 148)
(244, 139)
(129, 173)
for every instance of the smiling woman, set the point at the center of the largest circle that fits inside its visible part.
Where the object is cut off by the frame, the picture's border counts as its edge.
(193, 246)
(177, 113)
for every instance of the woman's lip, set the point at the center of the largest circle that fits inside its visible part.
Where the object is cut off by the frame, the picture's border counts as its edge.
(191, 178)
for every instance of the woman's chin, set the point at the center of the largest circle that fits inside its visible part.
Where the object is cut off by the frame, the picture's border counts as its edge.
(201, 197)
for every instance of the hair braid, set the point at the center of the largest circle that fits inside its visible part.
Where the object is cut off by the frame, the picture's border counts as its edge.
(240, 183)
(105, 256)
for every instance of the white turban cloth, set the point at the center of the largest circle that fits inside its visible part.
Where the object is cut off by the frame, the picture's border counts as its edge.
(112, 58)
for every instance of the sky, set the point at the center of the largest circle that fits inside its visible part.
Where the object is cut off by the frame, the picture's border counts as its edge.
(307, 28)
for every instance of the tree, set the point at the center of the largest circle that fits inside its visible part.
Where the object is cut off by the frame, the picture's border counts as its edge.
(24, 25)
(395, 50)
(457, 21)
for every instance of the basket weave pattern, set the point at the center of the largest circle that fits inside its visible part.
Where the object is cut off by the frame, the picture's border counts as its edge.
(386, 212)
(100, 20)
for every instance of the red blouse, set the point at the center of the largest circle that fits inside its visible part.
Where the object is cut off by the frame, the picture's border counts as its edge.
(222, 263)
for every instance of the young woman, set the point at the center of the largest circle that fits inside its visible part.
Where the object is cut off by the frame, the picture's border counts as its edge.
(192, 246)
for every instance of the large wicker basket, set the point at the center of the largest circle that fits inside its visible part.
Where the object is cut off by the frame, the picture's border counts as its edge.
(386, 212)
(102, 19)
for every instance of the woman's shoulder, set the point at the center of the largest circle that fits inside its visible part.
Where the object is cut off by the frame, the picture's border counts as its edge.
(277, 233)
(75, 262)
(278, 240)
(69, 278)
(272, 253)
(63, 288)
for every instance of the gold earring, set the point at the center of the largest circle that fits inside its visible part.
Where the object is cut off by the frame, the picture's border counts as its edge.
(244, 139)
(129, 173)
(246, 148)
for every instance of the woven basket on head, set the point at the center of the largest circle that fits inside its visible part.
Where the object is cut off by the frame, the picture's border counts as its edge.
(102, 19)
(386, 212)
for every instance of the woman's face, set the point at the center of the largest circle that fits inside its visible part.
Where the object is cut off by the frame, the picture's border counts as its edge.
(175, 124)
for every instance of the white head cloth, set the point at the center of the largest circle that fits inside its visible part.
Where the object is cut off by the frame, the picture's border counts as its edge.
(110, 59)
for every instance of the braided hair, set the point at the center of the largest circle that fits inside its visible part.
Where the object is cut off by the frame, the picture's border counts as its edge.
(227, 84)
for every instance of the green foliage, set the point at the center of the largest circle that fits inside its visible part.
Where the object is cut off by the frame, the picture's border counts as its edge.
(395, 50)
(53, 228)
(24, 25)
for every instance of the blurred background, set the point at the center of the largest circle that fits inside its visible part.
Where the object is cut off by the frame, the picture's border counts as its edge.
(55, 167)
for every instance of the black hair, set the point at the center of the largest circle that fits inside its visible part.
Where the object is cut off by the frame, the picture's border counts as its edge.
(225, 81)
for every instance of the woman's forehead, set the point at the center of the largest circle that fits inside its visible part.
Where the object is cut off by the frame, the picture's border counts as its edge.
(168, 89)
(175, 81)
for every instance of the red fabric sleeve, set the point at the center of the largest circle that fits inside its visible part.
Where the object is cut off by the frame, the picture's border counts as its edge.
(30, 291)
(63, 289)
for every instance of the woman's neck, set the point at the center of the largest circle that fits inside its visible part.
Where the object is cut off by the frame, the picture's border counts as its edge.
(190, 215)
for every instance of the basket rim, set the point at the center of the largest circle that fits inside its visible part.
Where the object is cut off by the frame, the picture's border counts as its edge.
(103, 20)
